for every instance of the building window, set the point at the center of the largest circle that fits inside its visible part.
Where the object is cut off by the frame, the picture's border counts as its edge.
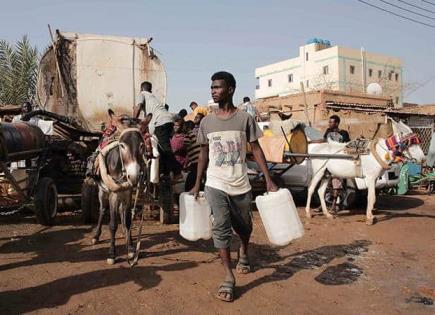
(325, 70)
(397, 100)
(290, 77)
(397, 77)
(306, 56)
(352, 69)
(390, 75)
(379, 74)
(370, 72)
(307, 84)
(257, 86)
(269, 82)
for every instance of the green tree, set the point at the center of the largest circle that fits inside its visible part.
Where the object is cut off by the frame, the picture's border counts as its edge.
(18, 71)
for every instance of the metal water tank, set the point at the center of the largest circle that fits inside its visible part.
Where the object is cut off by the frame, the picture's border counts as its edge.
(98, 73)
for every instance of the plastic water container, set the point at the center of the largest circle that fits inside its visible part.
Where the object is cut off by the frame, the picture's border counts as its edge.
(280, 218)
(154, 169)
(195, 217)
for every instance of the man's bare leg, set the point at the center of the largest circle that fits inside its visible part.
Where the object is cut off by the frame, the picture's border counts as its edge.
(243, 265)
(225, 255)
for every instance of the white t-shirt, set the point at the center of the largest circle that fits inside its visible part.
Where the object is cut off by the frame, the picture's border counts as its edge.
(153, 106)
(227, 140)
(32, 121)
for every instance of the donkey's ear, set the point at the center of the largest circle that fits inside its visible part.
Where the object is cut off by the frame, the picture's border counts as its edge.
(111, 113)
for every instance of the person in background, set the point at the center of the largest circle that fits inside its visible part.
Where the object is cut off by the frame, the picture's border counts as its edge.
(195, 110)
(430, 162)
(182, 113)
(161, 124)
(223, 137)
(248, 107)
(336, 134)
(197, 122)
(178, 143)
(193, 149)
(188, 126)
(26, 108)
(198, 109)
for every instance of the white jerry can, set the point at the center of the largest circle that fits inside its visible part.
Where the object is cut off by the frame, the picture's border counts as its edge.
(279, 216)
(154, 168)
(195, 217)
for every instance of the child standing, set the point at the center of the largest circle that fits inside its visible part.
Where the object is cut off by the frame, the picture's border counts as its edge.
(178, 143)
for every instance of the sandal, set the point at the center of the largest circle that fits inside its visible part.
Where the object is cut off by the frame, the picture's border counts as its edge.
(226, 291)
(243, 266)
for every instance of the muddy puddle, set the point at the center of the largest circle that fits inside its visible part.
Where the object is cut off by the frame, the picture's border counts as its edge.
(345, 273)
(339, 274)
(420, 300)
(325, 254)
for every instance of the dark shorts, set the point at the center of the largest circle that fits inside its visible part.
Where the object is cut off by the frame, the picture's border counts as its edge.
(229, 212)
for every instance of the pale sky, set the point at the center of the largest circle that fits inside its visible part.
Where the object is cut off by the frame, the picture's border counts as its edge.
(196, 38)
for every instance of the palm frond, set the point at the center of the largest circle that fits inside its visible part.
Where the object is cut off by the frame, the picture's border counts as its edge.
(18, 71)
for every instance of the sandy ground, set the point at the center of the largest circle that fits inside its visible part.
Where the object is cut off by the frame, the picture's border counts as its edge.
(338, 267)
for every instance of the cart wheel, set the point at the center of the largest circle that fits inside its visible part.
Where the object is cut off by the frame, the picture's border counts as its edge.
(90, 202)
(166, 202)
(46, 201)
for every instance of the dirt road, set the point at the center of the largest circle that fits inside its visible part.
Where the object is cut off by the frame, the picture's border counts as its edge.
(338, 267)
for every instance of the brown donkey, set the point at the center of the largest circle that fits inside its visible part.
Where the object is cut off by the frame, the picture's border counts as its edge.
(121, 164)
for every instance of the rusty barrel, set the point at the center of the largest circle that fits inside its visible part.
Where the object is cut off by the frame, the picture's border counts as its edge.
(20, 141)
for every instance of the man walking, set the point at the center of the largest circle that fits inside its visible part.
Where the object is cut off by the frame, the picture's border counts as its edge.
(223, 137)
(193, 149)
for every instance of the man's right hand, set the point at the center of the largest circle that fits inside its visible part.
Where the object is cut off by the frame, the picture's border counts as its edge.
(195, 191)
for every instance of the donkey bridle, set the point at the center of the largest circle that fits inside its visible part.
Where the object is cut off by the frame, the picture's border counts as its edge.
(123, 171)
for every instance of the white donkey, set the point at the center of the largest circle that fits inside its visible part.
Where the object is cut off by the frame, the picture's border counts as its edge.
(371, 167)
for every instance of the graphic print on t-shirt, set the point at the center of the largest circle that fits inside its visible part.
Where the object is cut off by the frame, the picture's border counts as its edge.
(226, 152)
(335, 136)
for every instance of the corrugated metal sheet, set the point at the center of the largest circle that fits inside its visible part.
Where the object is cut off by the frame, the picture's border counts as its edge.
(355, 105)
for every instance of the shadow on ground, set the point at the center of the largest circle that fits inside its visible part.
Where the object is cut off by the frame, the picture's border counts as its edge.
(389, 207)
(58, 292)
(73, 246)
(397, 203)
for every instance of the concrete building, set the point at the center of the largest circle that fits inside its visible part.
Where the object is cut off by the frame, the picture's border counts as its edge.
(321, 66)
(360, 114)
